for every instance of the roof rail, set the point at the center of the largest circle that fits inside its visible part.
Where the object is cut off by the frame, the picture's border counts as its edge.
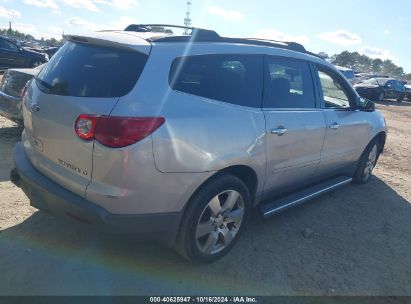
(203, 35)
(197, 33)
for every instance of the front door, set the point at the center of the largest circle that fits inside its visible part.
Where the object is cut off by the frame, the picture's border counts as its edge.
(295, 127)
(390, 90)
(347, 128)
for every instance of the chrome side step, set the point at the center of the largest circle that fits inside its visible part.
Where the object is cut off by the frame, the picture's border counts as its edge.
(270, 208)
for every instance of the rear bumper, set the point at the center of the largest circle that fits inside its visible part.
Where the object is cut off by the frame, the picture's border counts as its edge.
(10, 107)
(46, 195)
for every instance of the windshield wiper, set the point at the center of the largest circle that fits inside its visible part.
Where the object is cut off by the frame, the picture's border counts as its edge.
(43, 83)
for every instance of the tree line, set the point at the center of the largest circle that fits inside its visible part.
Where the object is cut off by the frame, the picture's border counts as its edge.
(353, 60)
(364, 64)
(28, 37)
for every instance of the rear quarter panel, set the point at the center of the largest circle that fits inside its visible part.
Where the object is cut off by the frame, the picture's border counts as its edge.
(199, 135)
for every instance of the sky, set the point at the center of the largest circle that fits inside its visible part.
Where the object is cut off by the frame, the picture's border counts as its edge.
(370, 27)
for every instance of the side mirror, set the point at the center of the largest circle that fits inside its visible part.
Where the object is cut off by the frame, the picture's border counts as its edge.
(365, 105)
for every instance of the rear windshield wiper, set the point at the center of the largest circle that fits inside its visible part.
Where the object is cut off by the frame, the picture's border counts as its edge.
(43, 83)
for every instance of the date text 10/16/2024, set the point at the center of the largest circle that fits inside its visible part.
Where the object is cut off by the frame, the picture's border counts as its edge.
(203, 300)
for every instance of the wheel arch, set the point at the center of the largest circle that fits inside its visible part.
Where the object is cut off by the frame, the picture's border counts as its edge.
(247, 175)
(381, 137)
(243, 172)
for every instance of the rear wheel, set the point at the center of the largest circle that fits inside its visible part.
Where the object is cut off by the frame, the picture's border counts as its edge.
(214, 219)
(367, 163)
(401, 98)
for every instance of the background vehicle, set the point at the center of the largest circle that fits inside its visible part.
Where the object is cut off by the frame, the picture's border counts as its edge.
(348, 73)
(408, 91)
(11, 89)
(379, 89)
(361, 77)
(14, 56)
(37, 47)
(179, 143)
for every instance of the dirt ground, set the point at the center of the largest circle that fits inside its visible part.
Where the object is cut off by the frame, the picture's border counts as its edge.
(354, 241)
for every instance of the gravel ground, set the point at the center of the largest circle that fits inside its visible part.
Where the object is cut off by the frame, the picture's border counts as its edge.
(354, 241)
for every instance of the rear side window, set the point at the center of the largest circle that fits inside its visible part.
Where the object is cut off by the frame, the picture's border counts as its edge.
(288, 84)
(235, 79)
(83, 70)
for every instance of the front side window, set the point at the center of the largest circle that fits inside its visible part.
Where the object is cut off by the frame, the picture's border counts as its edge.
(333, 91)
(389, 84)
(288, 84)
(235, 79)
(400, 86)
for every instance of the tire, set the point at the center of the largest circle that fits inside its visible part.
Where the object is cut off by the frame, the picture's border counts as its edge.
(367, 163)
(381, 96)
(400, 98)
(205, 234)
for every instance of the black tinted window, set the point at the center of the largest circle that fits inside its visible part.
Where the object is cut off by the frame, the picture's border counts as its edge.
(7, 45)
(91, 71)
(288, 84)
(235, 79)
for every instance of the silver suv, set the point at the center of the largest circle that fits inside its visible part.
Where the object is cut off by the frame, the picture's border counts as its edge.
(178, 137)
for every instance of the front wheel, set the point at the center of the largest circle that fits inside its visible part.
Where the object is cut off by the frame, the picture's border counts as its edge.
(401, 98)
(367, 163)
(214, 219)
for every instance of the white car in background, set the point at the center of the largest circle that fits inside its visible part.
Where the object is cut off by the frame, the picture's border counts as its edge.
(348, 73)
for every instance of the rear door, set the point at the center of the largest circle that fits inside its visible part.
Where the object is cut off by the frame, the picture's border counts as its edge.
(295, 127)
(82, 78)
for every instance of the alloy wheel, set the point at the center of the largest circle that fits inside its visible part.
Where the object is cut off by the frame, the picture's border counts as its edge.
(370, 163)
(220, 222)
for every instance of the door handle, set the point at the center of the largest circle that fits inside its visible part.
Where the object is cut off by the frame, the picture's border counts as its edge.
(280, 131)
(334, 126)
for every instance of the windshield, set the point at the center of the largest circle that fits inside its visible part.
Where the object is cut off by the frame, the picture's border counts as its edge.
(371, 81)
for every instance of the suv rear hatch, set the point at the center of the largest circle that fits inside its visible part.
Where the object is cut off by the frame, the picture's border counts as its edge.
(87, 75)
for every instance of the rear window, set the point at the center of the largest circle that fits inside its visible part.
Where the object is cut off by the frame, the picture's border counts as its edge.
(82, 70)
(235, 79)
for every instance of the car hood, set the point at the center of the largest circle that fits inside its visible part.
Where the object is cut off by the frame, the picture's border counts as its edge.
(33, 53)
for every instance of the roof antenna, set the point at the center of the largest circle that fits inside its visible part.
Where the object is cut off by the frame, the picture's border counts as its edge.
(187, 19)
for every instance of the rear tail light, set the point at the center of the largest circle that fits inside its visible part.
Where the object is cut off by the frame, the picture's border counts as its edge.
(116, 132)
(24, 90)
